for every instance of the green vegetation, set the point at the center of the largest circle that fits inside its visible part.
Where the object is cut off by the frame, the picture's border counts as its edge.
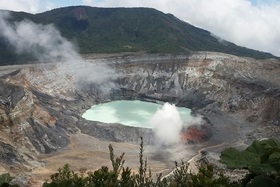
(109, 30)
(262, 159)
(5, 180)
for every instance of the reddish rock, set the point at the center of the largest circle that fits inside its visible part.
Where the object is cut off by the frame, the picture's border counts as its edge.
(195, 134)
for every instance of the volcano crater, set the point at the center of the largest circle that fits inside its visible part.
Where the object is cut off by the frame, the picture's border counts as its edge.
(41, 109)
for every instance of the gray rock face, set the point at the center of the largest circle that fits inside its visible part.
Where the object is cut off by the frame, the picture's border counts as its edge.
(40, 109)
(8, 154)
(10, 94)
(116, 132)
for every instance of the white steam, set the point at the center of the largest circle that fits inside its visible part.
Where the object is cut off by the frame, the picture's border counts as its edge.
(46, 44)
(167, 124)
(42, 41)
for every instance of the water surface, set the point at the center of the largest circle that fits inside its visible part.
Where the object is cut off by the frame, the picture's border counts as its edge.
(131, 113)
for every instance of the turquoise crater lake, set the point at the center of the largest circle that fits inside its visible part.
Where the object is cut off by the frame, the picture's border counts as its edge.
(130, 113)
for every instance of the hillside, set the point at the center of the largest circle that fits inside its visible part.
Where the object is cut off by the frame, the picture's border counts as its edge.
(108, 30)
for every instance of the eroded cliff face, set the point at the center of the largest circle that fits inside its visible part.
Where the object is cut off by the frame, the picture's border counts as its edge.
(41, 108)
(245, 87)
(239, 94)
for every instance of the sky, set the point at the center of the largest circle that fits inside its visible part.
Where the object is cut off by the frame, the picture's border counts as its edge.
(251, 23)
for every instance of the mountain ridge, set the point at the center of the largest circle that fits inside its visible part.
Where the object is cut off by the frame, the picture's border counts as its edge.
(113, 30)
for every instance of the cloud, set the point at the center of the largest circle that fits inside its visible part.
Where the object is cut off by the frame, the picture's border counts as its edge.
(20, 5)
(32, 6)
(251, 25)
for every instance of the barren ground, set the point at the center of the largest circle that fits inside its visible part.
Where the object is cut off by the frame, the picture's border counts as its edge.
(90, 153)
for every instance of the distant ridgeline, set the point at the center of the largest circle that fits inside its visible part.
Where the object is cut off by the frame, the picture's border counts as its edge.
(112, 30)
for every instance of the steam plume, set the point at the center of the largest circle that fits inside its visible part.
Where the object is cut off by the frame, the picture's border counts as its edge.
(42, 41)
(46, 44)
(167, 124)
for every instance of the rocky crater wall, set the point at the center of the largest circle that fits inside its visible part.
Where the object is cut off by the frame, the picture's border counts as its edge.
(41, 108)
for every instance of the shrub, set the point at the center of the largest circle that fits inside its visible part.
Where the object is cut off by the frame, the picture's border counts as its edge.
(262, 159)
(5, 180)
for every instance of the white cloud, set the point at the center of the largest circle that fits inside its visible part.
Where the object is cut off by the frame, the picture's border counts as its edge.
(20, 5)
(238, 21)
(32, 6)
(88, 2)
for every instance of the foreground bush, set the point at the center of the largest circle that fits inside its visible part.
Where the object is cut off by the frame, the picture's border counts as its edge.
(5, 180)
(262, 159)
